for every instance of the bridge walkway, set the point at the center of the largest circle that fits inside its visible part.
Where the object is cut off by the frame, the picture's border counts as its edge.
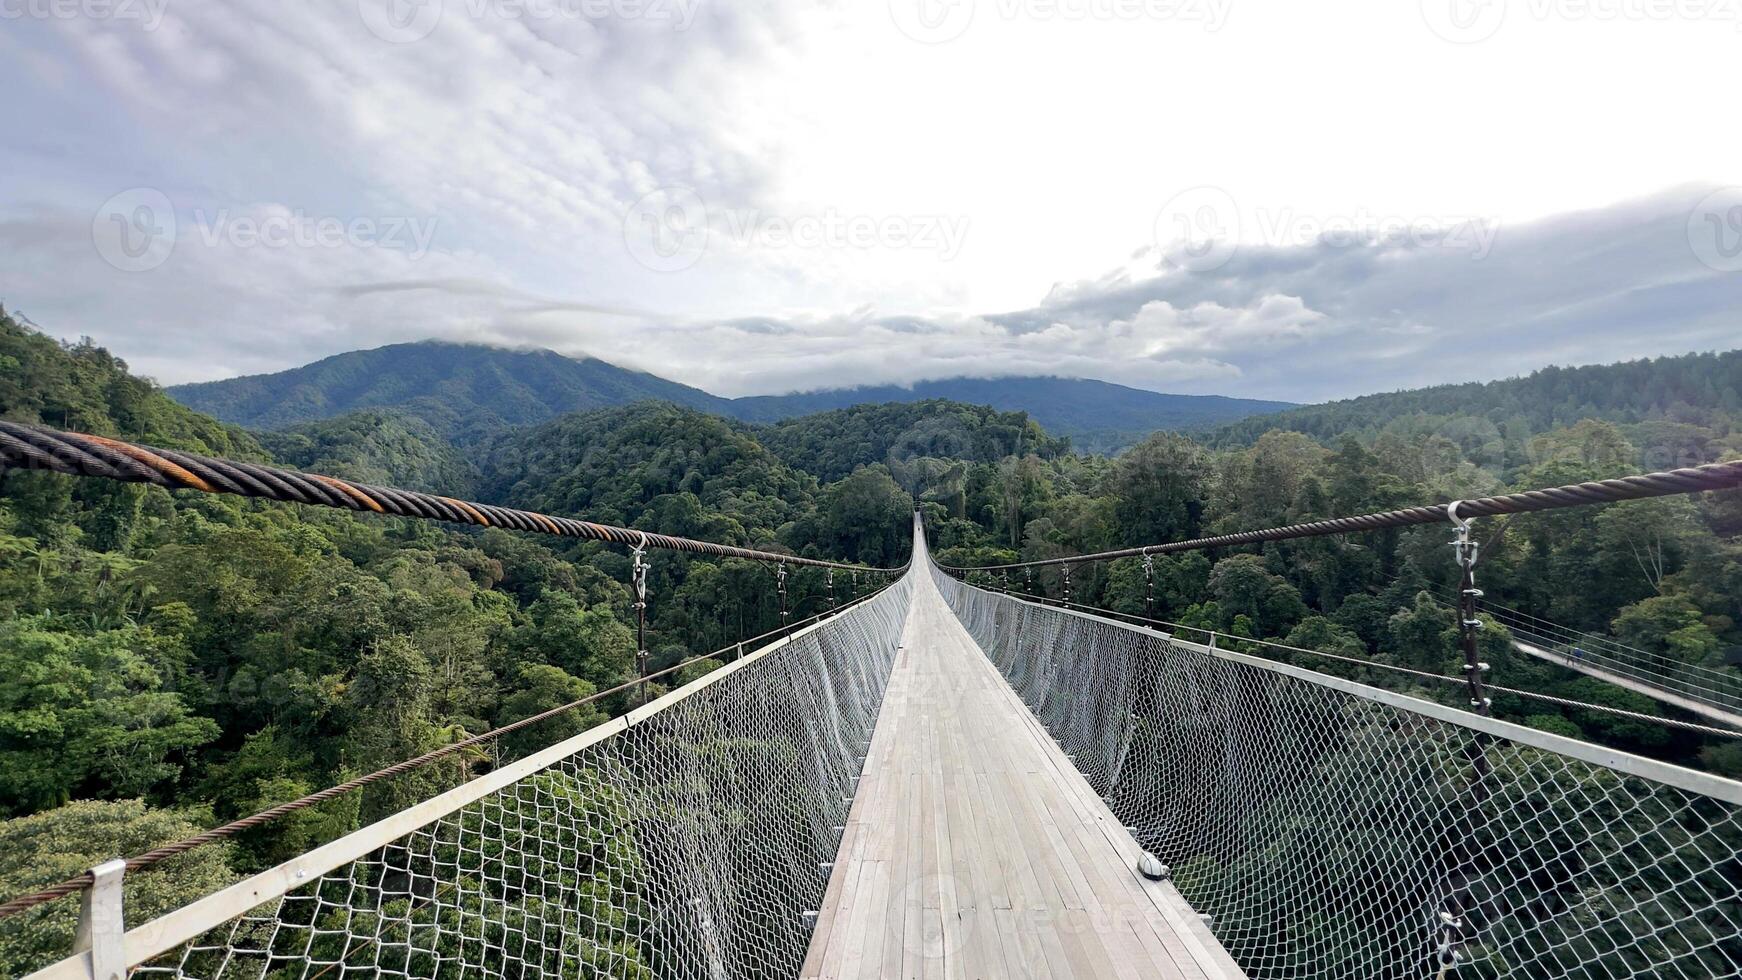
(974, 849)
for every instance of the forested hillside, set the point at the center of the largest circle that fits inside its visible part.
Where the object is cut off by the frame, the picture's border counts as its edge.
(1672, 397)
(697, 475)
(380, 447)
(831, 445)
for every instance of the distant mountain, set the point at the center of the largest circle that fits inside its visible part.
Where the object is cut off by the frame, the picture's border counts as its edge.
(465, 391)
(1097, 416)
(461, 390)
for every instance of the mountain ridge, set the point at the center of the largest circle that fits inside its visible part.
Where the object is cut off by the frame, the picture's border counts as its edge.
(459, 389)
(466, 391)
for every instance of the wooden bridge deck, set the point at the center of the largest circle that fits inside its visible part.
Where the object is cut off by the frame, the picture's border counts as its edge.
(974, 848)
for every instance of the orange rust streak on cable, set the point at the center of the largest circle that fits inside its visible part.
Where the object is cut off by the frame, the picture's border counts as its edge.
(351, 491)
(156, 462)
(468, 510)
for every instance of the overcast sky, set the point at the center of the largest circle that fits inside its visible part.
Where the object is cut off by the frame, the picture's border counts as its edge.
(1271, 199)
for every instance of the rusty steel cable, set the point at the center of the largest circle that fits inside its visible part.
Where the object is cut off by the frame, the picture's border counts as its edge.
(155, 857)
(1693, 479)
(36, 447)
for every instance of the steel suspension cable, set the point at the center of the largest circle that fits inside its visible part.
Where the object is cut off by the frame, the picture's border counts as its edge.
(1693, 479)
(36, 447)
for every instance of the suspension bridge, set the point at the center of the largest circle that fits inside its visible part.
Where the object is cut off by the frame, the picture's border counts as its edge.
(943, 779)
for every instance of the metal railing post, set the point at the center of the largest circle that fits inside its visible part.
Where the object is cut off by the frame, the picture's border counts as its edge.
(102, 923)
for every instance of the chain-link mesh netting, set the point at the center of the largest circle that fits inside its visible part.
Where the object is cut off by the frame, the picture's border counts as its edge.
(1329, 833)
(687, 845)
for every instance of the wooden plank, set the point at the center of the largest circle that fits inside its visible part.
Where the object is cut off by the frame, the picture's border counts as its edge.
(910, 883)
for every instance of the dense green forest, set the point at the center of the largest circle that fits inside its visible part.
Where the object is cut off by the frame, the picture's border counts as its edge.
(919, 441)
(173, 660)
(375, 446)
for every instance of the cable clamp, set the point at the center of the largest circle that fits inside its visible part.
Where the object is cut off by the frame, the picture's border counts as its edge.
(638, 571)
(1466, 547)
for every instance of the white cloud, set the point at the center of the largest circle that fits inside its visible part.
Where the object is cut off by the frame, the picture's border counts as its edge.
(1160, 328)
(523, 140)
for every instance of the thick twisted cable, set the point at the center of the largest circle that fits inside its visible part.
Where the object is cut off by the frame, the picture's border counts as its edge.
(80, 454)
(1693, 479)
